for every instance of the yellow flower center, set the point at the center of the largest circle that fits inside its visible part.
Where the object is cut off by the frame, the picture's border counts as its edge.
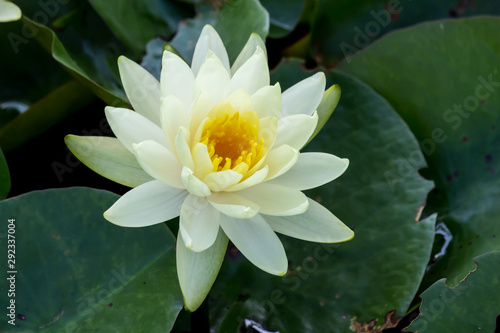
(232, 139)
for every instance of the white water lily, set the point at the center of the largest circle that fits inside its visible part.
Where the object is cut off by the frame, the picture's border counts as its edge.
(9, 11)
(220, 147)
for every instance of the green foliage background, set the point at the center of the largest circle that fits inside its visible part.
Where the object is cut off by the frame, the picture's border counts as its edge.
(419, 120)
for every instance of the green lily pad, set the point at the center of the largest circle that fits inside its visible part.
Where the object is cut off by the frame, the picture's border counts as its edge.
(472, 306)
(329, 287)
(249, 16)
(137, 22)
(4, 177)
(342, 28)
(77, 272)
(444, 80)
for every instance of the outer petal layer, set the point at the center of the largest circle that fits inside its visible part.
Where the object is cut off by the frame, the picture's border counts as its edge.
(197, 270)
(312, 170)
(317, 224)
(233, 205)
(276, 199)
(109, 158)
(151, 203)
(296, 130)
(258, 243)
(304, 97)
(199, 223)
(130, 127)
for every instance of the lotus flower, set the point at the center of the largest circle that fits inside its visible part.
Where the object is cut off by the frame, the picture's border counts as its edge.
(220, 147)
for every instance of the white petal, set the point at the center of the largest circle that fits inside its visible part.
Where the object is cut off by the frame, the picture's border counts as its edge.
(209, 40)
(213, 78)
(159, 162)
(233, 205)
(268, 131)
(197, 270)
(147, 204)
(267, 101)
(312, 170)
(182, 148)
(240, 101)
(304, 97)
(253, 74)
(9, 11)
(296, 130)
(203, 163)
(280, 160)
(173, 116)
(193, 184)
(109, 158)
(248, 51)
(219, 181)
(199, 111)
(130, 127)
(176, 79)
(276, 200)
(317, 224)
(257, 178)
(199, 223)
(142, 89)
(258, 243)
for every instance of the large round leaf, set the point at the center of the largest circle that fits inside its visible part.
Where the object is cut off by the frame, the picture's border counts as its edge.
(444, 80)
(77, 272)
(342, 28)
(329, 287)
(446, 309)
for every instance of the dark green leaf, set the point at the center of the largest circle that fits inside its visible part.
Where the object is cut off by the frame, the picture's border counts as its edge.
(472, 306)
(330, 285)
(444, 80)
(78, 272)
(28, 74)
(137, 22)
(342, 28)
(283, 15)
(89, 53)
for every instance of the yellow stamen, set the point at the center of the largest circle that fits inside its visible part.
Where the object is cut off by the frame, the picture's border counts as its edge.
(232, 138)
